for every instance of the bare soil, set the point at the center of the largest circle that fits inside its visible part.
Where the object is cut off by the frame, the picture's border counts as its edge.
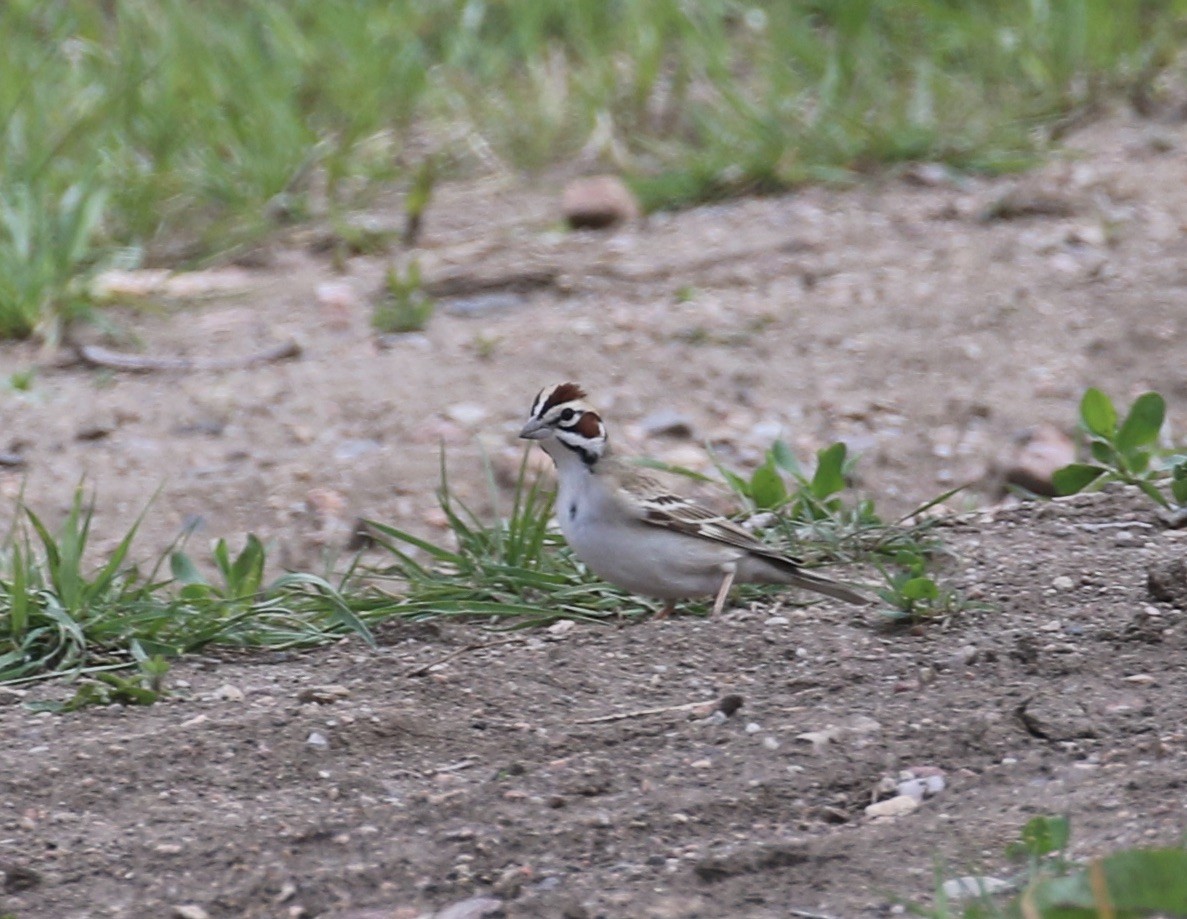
(926, 320)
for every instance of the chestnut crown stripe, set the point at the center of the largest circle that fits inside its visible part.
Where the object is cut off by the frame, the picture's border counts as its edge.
(565, 392)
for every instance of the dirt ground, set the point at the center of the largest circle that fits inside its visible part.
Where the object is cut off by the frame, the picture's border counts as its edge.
(925, 319)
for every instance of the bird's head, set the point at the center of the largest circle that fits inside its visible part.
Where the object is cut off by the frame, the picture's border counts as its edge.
(561, 421)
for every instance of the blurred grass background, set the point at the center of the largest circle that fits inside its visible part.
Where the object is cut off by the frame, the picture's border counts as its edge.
(164, 131)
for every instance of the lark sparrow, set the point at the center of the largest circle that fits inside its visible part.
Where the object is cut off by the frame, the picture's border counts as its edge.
(630, 532)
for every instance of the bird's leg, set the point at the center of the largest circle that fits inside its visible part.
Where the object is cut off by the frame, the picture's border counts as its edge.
(669, 608)
(723, 591)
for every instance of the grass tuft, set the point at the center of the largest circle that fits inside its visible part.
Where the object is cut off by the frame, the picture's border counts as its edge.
(168, 131)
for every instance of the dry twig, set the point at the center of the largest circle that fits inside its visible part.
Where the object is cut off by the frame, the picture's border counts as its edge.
(142, 363)
(466, 649)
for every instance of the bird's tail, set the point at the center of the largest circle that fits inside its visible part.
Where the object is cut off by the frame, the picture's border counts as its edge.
(791, 573)
(826, 586)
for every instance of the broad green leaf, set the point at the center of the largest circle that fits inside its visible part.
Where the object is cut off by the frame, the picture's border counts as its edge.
(1142, 424)
(247, 572)
(767, 489)
(785, 459)
(1179, 482)
(1075, 478)
(1098, 414)
(920, 589)
(1136, 881)
(1103, 453)
(829, 477)
(1153, 491)
(184, 570)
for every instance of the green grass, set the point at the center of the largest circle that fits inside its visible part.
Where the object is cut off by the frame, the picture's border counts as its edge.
(162, 131)
(62, 614)
(1126, 884)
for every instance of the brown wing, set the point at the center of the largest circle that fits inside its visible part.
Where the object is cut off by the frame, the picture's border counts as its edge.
(661, 508)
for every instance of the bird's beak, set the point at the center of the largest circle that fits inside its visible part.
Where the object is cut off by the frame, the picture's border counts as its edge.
(535, 429)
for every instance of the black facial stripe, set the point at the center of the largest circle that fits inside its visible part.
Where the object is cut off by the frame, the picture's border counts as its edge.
(582, 447)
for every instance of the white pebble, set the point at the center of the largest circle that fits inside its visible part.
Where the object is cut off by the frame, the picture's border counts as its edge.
(898, 806)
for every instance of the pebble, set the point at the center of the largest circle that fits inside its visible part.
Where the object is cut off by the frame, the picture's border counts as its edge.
(597, 202)
(898, 806)
(776, 620)
(1044, 449)
(1063, 582)
(753, 727)
(484, 304)
(317, 740)
(473, 908)
(352, 449)
(324, 695)
(228, 693)
(190, 911)
(467, 414)
(920, 787)
(973, 886)
(667, 422)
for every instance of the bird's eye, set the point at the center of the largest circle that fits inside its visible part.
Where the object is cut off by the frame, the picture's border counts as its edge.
(567, 414)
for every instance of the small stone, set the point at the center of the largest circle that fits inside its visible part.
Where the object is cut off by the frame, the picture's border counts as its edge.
(1053, 626)
(701, 764)
(485, 304)
(1167, 581)
(561, 628)
(753, 727)
(190, 911)
(1063, 582)
(1141, 679)
(169, 848)
(93, 430)
(473, 908)
(467, 414)
(971, 886)
(730, 703)
(228, 693)
(666, 422)
(1043, 450)
(317, 740)
(597, 202)
(354, 448)
(324, 695)
(776, 620)
(920, 787)
(770, 743)
(339, 303)
(898, 806)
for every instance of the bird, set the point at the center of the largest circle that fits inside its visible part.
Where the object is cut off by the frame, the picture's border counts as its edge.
(630, 531)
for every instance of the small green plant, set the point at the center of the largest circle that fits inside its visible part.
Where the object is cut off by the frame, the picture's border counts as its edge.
(145, 687)
(417, 200)
(1125, 885)
(60, 616)
(911, 594)
(22, 380)
(516, 567)
(405, 307)
(1126, 452)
